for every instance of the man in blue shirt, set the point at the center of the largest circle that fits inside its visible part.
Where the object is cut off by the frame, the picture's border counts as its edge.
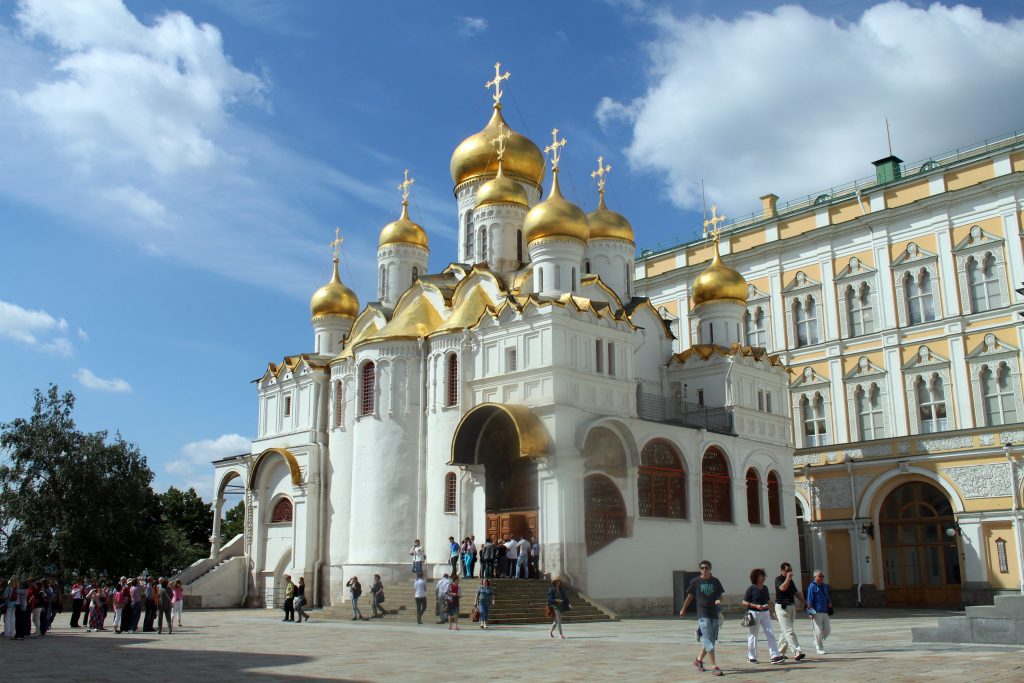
(819, 604)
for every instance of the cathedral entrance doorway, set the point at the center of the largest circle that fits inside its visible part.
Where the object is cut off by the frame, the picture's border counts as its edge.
(921, 560)
(504, 441)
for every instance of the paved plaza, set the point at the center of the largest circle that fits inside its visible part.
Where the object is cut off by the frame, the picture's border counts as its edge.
(253, 645)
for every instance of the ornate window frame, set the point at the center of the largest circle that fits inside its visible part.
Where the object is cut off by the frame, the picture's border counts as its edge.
(856, 274)
(807, 386)
(369, 402)
(756, 299)
(924, 364)
(978, 244)
(657, 472)
(451, 493)
(913, 260)
(803, 288)
(716, 487)
(451, 380)
(862, 377)
(991, 353)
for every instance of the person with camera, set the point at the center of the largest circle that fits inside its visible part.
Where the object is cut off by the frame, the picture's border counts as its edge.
(787, 593)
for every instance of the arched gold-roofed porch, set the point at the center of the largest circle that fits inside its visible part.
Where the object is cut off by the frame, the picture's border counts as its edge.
(289, 458)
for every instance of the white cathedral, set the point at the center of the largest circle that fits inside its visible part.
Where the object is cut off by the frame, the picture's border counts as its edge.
(521, 390)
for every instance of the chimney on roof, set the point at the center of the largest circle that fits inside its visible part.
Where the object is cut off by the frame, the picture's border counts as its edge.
(887, 169)
(768, 203)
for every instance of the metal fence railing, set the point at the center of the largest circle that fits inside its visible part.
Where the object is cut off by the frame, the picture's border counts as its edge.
(673, 411)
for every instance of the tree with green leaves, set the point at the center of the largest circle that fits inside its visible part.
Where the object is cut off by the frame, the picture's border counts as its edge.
(234, 522)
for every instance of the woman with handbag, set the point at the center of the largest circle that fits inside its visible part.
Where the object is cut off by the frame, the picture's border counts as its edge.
(757, 600)
(819, 609)
(377, 590)
(558, 602)
(484, 601)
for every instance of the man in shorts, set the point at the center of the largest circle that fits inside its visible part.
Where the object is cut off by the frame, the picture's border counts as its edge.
(707, 591)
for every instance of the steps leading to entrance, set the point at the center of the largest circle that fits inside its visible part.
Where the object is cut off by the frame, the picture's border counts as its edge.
(516, 602)
(1000, 624)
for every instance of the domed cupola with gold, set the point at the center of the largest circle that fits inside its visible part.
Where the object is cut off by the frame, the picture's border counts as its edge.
(719, 296)
(499, 210)
(475, 162)
(556, 233)
(611, 246)
(403, 251)
(332, 309)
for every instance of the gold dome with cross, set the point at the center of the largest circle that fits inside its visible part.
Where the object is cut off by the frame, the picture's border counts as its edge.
(718, 282)
(334, 298)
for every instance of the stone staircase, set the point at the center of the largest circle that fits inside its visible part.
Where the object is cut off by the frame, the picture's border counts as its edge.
(1000, 624)
(516, 602)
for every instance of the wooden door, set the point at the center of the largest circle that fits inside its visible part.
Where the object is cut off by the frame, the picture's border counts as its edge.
(502, 525)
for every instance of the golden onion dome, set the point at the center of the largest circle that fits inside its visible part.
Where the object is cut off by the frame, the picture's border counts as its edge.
(719, 282)
(474, 157)
(501, 190)
(404, 231)
(607, 224)
(334, 298)
(556, 216)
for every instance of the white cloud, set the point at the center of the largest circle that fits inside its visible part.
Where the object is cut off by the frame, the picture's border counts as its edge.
(91, 381)
(83, 335)
(791, 103)
(37, 329)
(470, 26)
(191, 468)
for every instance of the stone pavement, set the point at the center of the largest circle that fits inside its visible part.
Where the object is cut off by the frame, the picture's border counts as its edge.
(253, 645)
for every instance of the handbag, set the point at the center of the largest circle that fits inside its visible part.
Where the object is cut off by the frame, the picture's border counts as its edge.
(476, 614)
(747, 619)
(549, 612)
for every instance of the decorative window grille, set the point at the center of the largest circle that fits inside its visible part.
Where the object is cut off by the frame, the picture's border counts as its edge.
(1004, 565)
(774, 500)
(604, 512)
(753, 497)
(920, 300)
(451, 488)
(367, 390)
(931, 404)
(339, 404)
(452, 378)
(287, 406)
(716, 487)
(282, 512)
(1000, 399)
(661, 483)
(511, 360)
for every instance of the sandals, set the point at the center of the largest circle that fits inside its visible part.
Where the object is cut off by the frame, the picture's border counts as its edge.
(699, 664)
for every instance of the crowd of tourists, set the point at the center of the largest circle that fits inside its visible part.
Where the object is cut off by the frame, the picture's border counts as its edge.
(515, 557)
(131, 605)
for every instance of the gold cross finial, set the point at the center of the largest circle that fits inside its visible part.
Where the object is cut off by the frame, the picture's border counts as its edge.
(499, 140)
(600, 173)
(405, 185)
(336, 244)
(498, 78)
(713, 223)
(553, 148)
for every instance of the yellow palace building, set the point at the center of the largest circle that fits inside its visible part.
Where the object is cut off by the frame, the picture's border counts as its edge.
(892, 302)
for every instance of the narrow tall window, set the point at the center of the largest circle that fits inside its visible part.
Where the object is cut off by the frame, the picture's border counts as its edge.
(611, 359)
(452, 379)
(716, 487)
(572, 283)
(629, 284)
(753, 497)
(558, 277)
(869, 412)
(511, 359)
(812, 413)
(920, 302)
(415, 274)
(586, 266)
(931, 404)
(519, 246)
(382, 285)
(483, 244)
(859, 313)
(339, 404)
(760, 400)
(367, 389)
(774, 500)
(451, 488)
(287, 406)
(470, 243)
(1000, 400)
(540, 279)
(768, 401)
(984, 284)
(598, 356)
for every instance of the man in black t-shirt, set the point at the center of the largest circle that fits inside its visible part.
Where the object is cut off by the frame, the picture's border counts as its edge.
(707, 591)
(787, 593)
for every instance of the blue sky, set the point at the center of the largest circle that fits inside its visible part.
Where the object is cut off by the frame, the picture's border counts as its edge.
(173, 172)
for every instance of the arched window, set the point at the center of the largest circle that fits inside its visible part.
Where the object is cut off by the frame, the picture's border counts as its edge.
(858, 306)
(869, 412)
(415, 274)
(753, 497)
(339, 404)
(367, 389)
(812, 413)
(805, 315)
(774, 500)
(470, 244)
(984, 283)
(483, 244)
(753, 322)
(451, 488)
(382, 286)
(558, 277)
(920, 303)
(519, 246)
(540, 279)
(572, 283)
(586, 266)
(604, 512)
(1000, 399)
(661, 484)
(452, 378)
(716, 488)
(282, 512)
(931, 404)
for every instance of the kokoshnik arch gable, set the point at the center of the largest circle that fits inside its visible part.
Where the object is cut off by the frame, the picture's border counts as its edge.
(523, 389)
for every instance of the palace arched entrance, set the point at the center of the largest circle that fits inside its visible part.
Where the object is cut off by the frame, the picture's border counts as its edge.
(920, 559)
(504, 441)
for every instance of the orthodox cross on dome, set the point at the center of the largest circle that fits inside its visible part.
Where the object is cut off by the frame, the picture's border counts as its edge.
(496, 83)
(336, 244)
(600, 173)
(554, 148)
(499, 140)
(713, 223)
(405, 185)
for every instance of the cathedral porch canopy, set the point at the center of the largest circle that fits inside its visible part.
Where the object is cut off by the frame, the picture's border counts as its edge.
(289, 458)
(533, 437)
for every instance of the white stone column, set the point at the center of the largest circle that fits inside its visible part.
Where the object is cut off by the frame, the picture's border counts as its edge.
(961, 381)
(829, 304)
(840, 427)
(948, 280)
(215, 540)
